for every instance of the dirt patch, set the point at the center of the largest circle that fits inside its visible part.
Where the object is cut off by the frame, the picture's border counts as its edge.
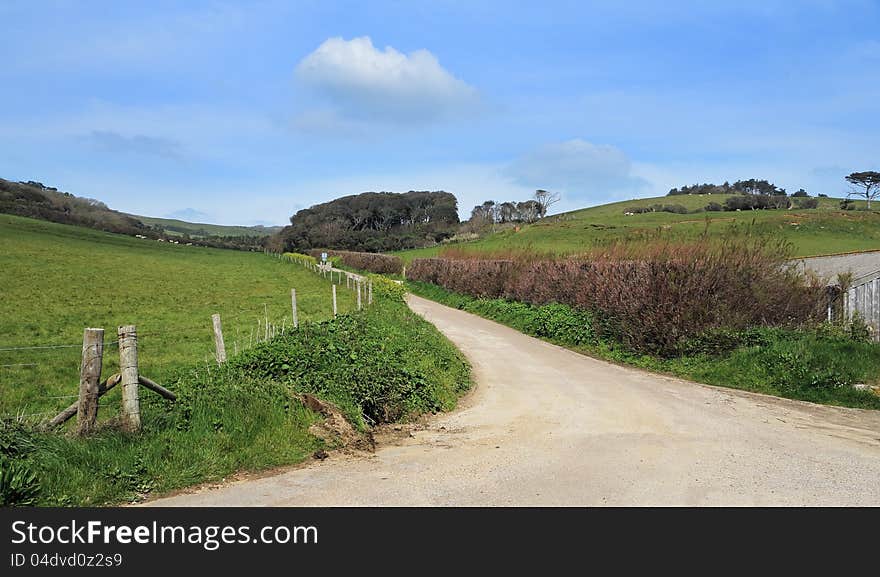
(335, 430)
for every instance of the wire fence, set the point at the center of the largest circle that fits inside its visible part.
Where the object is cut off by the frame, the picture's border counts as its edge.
(34, 377)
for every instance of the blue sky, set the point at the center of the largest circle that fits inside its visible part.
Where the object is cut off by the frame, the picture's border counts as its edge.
(244, 112)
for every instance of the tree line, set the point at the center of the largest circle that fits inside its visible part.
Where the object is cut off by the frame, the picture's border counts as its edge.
(526, 211)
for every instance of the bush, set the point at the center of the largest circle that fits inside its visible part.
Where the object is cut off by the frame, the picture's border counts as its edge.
(368, 261)
(386, 288)
(714, 207)
(674, 209)
(756, 202)
(382, 364)
(652, 300)
(808, 203)
(301, 257)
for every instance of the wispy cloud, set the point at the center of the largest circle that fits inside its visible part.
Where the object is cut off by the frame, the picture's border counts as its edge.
(141, 144)
(580, 169)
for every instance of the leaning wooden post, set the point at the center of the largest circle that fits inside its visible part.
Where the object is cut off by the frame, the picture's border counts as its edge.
(359, 294)
(90, 374)
(293, 307)
(219, 346)
(333, 286)
(128, 367)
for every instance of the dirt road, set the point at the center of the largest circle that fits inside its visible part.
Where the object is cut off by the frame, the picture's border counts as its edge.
(547, 426)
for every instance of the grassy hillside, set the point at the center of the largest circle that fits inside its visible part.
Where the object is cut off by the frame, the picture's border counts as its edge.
(200, 230)
(57, 279)
(824, 230)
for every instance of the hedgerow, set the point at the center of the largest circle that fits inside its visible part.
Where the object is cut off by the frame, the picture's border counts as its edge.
(652, 298)
(368, 261)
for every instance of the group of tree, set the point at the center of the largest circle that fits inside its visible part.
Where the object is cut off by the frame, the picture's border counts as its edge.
(864, 184)
(372, 222)
(750, 186)
(33, 199)
(526, 211)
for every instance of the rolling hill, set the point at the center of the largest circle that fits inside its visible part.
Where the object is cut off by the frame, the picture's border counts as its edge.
(176, 227)
(824, 230)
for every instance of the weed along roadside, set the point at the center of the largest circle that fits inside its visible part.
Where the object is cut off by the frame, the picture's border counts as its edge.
(295, 396)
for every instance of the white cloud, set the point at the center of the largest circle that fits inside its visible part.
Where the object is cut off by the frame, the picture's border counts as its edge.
(582, 171)
(363, 83)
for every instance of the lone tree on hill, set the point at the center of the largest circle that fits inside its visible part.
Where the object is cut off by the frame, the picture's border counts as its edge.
(545, 200)
(865, 184)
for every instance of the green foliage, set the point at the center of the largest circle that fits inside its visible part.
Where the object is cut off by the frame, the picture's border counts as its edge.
(302, 257)
(385, 288)
(383, 363)
(818, 364)
(374, 222)
(18, 484)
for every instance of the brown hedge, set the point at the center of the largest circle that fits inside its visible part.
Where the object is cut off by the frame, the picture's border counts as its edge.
(653, 301)
(369, 261)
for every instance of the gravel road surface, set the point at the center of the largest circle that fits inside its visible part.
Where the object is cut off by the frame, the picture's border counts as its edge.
(547, 426)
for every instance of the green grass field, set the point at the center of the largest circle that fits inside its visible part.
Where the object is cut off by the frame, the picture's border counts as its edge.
(197, 229)
(58, 279)
(824, 230)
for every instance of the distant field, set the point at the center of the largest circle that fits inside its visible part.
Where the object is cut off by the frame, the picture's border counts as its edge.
(824, 230)
(199, 230)
(57, 279)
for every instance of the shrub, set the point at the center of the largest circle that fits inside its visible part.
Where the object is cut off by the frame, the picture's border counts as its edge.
(756, 202)
(808, 203)
(386, 288)
(368, 261)
(382, 364)
(652, 298)
(301, 257)
(714, 207)
(674, 209)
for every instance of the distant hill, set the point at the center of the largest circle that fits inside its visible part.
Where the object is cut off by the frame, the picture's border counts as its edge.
(826, 229)
(200, 230)
(35, 200)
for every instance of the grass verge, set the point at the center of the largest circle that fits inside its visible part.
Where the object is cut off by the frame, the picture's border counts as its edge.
(381, 364)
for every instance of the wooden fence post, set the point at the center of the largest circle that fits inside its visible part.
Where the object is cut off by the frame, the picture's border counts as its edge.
(128, 368)
(369, 292)
(219, 346)
(293, 306)
(359, 294)
(333, 286)
(90, 374)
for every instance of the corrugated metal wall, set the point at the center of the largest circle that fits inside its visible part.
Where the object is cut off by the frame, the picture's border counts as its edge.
(864, 298)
